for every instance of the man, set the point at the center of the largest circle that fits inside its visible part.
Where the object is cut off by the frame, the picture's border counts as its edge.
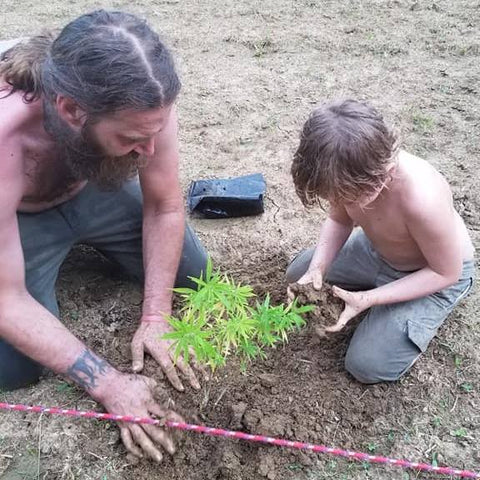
(79, 115)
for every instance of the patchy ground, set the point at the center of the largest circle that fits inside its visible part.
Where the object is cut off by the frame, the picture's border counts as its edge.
(252, 71)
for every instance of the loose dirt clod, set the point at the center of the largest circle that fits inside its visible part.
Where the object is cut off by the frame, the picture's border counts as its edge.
(328, 307)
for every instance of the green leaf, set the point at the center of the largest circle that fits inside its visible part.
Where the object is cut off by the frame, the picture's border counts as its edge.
(217, 319)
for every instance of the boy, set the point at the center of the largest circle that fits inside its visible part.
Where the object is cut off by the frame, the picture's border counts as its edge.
(411, 259)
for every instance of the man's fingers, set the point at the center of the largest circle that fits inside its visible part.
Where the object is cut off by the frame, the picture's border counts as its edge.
(161, 437)
(162, 357)
(137, 355)
(168, 369)
(188, 372)
(161, 413)
(158, 411)
(128, 442)
(172, 376)
(335, 290)
(313, 277)
(151, 383)
(200, 368)
(143, 440)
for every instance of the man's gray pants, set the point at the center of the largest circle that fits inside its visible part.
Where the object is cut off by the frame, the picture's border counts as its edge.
(109, 221)
(390, 338)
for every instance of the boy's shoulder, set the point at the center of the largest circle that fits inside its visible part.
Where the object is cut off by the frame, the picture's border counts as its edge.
(421, 186)
(14, 111)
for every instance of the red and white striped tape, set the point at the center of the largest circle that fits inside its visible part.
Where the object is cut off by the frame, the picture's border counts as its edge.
(219, 432)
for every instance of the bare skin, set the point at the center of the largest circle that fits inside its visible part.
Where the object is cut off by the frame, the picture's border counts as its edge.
(33, 178)
(412, 224)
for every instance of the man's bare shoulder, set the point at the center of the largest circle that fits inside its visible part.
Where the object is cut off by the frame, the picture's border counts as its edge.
(14, 117)
(422, 188)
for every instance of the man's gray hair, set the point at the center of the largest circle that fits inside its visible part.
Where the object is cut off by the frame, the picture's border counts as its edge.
(105, 60)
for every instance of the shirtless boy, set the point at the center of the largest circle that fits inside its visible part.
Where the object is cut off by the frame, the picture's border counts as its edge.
(79, 116)
(410, 259)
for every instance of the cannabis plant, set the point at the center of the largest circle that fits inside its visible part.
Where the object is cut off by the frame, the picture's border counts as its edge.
(222, 317)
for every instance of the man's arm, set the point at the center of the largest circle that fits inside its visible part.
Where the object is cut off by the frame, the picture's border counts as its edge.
(431, 223)
(163, 230)
(163, 221)
(34, 331)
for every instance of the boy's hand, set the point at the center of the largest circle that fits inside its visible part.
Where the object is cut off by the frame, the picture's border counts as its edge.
(355, 303)
(313, 276)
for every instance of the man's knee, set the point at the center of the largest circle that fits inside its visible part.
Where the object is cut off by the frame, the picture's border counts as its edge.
(16, 370)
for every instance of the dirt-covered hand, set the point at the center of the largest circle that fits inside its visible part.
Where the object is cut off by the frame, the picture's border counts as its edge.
(133, 395)
(313, 276)
(355, 303)
(148, 338)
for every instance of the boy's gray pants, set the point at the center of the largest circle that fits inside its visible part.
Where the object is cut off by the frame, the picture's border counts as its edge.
(390, 338)
(109, 221)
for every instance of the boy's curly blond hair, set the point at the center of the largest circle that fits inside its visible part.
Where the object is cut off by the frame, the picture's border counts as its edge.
(345, 148)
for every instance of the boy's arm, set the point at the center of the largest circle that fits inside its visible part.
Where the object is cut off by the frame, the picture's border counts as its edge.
(334, 232)
(432, 224)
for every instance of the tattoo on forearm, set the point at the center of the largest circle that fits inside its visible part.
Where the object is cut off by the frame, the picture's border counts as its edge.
(87, 369)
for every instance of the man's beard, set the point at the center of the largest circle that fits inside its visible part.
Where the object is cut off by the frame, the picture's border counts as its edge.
(84, 157)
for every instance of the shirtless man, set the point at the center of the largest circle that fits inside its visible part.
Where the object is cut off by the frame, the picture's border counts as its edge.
(79, 117)
(411, 259)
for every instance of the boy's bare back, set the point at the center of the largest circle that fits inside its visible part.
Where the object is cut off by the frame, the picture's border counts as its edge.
(412, 221)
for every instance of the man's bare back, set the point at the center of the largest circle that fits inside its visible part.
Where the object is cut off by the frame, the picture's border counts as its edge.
(415, 186)
(46, 179)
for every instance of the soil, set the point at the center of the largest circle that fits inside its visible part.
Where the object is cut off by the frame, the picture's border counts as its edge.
(328, 307)
(251, 73)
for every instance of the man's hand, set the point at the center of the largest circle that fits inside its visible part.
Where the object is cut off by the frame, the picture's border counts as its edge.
(355, 303)
(148, 338)
(133, 395)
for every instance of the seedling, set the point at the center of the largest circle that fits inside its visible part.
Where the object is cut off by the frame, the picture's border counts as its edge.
(457, 360)
(459, 433)
(467, 387)
(422, 123)
(371, 447)
(64, 387)
(222, 317)
(437, 422)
